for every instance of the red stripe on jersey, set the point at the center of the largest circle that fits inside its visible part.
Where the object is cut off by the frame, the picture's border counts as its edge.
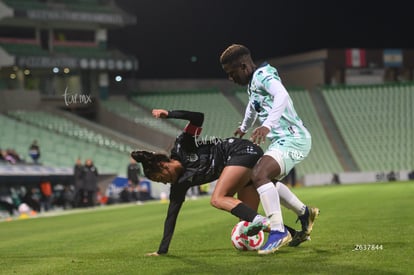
(192, 130)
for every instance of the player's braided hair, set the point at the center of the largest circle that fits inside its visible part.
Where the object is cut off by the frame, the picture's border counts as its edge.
(151, 162)
(233, 53)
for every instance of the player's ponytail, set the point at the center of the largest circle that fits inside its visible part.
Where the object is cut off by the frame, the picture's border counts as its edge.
(151, 162)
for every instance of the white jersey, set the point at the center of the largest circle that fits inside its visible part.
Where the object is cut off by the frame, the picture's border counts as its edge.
(270, 102)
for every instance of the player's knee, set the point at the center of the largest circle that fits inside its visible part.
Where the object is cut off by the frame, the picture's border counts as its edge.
(215, 202)
(259, 178)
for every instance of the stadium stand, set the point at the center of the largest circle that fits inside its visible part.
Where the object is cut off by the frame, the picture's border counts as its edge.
(80, 51)
(139, 115)
(376, 122)
(68, 128)
(220, 115)
(22, 47)
(62, 141)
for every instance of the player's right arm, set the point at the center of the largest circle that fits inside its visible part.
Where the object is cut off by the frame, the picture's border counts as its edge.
(248, 120)
(177, 198)
(195, 119)
(169, 226)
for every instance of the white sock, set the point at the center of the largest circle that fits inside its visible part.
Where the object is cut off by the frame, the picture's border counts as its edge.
(258, 218)
(289, 200)
(271, 205)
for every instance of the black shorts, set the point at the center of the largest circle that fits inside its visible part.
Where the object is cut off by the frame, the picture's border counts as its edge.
(242, 152)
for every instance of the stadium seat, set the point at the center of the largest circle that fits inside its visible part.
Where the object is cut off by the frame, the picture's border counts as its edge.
(58, 148)
(212, 103)
(376, 122)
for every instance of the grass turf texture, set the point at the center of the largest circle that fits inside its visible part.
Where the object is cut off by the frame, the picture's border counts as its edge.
(114, 239)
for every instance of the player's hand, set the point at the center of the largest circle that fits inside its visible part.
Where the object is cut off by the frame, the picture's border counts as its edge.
(152, 254)
(239, 133)
(159, 113)
(259, 134)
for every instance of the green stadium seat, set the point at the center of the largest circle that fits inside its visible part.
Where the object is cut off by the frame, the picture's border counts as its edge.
(376, 122)
(220, 115)
(57, 146)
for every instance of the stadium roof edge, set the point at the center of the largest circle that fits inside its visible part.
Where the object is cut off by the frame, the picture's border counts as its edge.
(113, 16)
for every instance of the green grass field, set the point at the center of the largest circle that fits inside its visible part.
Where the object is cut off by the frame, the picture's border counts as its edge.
(114, 239)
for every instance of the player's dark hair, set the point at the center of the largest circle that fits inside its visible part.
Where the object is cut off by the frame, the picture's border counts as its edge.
(151, 162)
(233, 53)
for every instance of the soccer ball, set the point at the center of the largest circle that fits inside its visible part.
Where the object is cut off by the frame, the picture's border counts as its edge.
(243, 242)
(24, 208)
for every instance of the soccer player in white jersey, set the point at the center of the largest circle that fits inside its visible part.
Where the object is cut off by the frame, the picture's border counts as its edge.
(270, 102)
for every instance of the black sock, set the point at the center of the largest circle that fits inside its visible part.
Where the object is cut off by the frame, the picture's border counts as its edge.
(244, 212)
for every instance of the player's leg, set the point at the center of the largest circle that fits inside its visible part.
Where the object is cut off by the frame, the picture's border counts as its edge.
(232, 179)
(305, 213)
(268, 167)
(296, 151)
(249, 196)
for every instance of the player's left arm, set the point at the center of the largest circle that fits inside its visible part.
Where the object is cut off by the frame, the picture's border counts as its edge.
(280, 101)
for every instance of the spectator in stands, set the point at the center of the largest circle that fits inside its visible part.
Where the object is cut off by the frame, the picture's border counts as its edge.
(32, 199)
(11, 156)
(34, 151)
(63, 195)
(2, 155)
(133, 173)
(8, 206)
(411, 175)
(392, 176)
(77, 175)
(67, 196)
(127, 194)
(335, 179)
(46, 194)
(90, 183)
(144, 189)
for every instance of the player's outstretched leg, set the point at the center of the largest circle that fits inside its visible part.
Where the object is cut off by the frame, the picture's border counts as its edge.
(275, 241)
(307, 220)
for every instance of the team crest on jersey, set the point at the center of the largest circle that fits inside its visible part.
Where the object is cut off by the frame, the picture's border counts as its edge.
(192, 157)
(231, 140)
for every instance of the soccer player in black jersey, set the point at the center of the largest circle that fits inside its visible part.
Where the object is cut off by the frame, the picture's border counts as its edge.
(196, 162)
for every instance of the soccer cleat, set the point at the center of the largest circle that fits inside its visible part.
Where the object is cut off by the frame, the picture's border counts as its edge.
(298, 238)
(308, 219)
(254, 228)
(275, 241)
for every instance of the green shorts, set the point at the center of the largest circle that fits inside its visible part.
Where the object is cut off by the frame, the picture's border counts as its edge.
(288, 152)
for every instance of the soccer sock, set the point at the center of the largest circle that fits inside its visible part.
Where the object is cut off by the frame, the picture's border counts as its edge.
(289, 200)
(271, 205)
(244, 212)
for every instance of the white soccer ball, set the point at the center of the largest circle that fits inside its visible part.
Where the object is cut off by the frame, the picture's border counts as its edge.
(243, 242)
(24, 208)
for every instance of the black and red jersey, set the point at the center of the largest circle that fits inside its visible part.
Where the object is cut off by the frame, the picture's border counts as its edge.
(203, 159)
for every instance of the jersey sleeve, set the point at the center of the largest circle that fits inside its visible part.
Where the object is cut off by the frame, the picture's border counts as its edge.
(195, 119)
(280, 100)
(177, 198)
(250, 116)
